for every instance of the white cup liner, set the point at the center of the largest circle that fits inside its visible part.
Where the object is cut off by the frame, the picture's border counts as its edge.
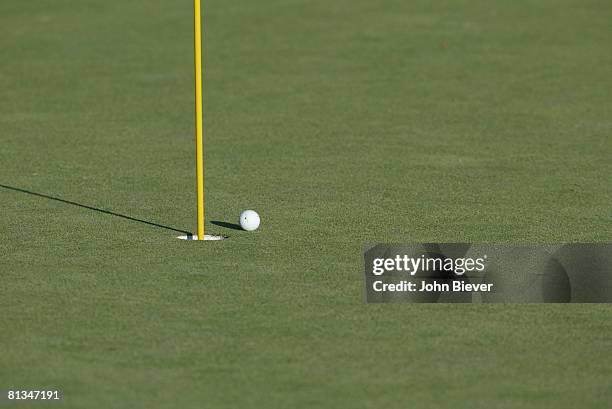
(206, 237)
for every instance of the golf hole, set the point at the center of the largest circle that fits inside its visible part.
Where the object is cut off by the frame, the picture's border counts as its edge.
(206, 237)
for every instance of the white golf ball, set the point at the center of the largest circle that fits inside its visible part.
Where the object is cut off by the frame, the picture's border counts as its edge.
(249, 220)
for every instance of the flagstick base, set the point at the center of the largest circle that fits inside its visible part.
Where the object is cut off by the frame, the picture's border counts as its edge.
(206, 237)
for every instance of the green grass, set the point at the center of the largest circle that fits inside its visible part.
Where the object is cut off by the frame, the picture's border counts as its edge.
(342, 122)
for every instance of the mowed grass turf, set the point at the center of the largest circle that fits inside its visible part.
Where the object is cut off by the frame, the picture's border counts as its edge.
(341, 122)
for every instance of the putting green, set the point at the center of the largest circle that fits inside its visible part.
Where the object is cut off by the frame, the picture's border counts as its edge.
(341, 123)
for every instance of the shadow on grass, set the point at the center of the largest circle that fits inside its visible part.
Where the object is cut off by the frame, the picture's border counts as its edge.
(227, 225)
(108, 212)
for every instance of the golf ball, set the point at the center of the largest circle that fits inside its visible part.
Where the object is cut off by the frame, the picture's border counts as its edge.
(249, 220)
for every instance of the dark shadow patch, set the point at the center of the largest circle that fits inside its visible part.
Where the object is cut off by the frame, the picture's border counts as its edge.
(227, 225)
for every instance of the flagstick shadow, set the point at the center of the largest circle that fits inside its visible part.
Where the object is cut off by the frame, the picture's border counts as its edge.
(108, 212)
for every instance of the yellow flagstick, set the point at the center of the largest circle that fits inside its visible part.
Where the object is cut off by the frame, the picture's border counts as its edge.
(199, 115)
